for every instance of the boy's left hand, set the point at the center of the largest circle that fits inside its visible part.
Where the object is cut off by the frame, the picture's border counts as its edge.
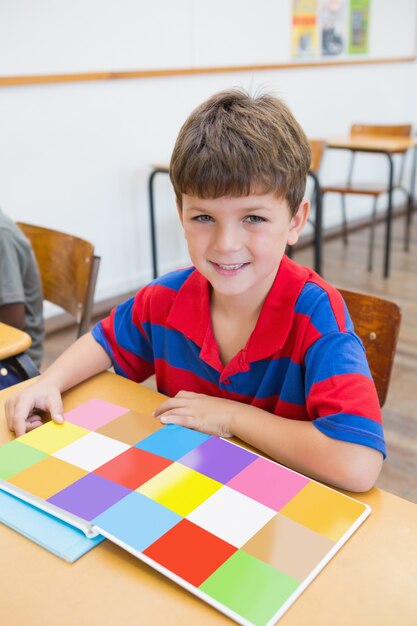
(200, 412)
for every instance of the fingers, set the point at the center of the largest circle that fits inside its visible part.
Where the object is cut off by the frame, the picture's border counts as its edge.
(32, 424)
(188, 394)
(182, 400)
(17, 410)
(20, 409)
(55, 407)
(179, 420)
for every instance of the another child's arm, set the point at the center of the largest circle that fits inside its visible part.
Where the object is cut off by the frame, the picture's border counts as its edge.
(297, 444)
(80, 361)
(13, 314)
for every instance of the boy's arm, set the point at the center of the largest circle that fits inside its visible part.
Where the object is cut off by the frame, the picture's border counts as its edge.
(297, 444)
(80, 361)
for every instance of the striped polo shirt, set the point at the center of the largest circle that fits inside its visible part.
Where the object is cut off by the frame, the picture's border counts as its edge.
(303, 360)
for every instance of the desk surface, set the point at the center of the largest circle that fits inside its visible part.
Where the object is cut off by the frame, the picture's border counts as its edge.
(371, 143)
(371, 580)
(13, 341)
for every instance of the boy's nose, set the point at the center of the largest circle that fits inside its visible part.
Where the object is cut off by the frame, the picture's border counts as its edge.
(227, 239)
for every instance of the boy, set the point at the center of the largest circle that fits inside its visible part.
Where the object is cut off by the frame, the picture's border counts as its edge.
(246, 342)
(21, 300)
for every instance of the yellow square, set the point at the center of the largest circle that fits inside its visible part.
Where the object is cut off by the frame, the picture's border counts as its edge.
(179, 488)
(52, 437)
(323, 510)
(46, 478)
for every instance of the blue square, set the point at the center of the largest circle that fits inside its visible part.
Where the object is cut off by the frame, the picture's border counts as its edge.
(172, 441)
(137, 521)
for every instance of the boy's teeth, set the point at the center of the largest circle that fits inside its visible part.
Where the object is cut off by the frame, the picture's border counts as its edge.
(230, 267)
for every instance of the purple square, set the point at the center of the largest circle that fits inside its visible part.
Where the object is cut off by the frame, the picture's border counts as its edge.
(94, 414)
(89, 496)
(218, 459)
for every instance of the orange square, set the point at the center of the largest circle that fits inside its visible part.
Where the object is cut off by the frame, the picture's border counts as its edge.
(46, 478)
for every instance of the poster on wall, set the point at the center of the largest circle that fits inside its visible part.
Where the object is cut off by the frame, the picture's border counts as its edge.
(333, 27)
(304, 29)
(329, 28)
(358, 27)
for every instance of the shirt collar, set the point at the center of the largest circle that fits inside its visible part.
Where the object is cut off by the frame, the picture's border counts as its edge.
(190, 313)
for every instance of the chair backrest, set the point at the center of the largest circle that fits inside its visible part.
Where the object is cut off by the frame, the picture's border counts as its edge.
(400, 130)
(68, 269)
(377, 322)
(317, 149)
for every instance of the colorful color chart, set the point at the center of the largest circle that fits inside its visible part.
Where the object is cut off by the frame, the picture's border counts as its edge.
(240, 531)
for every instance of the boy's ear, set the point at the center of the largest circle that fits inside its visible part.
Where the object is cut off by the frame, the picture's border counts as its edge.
(298, 222)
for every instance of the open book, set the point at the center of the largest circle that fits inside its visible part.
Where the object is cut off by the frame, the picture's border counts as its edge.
(241, 532)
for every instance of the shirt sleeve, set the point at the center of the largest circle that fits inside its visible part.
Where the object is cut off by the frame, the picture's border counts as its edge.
(11, 281)
(340, 393)
(123, 336)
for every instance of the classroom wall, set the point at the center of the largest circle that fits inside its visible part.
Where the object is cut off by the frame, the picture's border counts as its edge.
(76, 156)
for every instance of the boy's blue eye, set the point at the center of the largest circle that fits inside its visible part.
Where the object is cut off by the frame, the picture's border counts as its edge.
(203, 218)
(255, 219)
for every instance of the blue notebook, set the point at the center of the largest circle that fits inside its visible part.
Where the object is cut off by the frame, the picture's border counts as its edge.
(58, 537)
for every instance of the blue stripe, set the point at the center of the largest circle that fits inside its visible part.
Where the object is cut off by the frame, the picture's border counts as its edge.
(334, 355)
(173, 280)
(128, 336)
(354, 429)
(314, 302)
(174, 348)
(264, 379)
(269, 378)
(348, 322)
(100, 337)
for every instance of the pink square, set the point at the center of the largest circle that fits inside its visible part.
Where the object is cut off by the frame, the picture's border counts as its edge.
(94, 414)
(268, 483)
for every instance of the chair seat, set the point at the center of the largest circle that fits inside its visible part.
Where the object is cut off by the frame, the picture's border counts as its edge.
(363, 189)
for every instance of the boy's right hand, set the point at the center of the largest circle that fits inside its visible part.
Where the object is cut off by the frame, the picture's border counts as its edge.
(20, 408)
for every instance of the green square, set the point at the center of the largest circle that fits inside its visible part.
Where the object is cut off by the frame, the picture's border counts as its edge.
(249, 587)
(15, 457)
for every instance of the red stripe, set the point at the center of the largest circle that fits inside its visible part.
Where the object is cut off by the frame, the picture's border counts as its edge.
(299, 342)
(182, 380)
(153, 304)
(133, 366)
(346, 393)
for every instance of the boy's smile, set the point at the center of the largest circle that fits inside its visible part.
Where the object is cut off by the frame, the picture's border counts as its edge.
(237, 243)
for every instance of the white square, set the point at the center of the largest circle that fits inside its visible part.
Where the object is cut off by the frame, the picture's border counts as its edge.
(231, 516)
(91, 451)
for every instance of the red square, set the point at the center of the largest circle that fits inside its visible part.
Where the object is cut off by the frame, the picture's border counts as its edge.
(190, 552)
(132, 468)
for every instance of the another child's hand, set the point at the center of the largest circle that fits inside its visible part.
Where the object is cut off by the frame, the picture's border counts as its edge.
(21, 408)
(200, 412)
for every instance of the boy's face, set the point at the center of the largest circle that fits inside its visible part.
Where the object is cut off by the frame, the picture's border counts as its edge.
(237, 243)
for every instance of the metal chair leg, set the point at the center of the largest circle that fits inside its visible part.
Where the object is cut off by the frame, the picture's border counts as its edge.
(372, 236)
(408, 222)
(344, 219)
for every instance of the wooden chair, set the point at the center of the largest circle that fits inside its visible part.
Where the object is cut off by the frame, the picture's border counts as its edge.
(349, 187)
(68, 269)
(318, 147)
(377, 322)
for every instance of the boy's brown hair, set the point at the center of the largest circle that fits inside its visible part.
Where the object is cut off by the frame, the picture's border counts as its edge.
(235, 144)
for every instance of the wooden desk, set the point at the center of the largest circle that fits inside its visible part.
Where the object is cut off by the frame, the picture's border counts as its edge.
(388, 146)
(13, 341)
(371, 580)
(163, 168)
